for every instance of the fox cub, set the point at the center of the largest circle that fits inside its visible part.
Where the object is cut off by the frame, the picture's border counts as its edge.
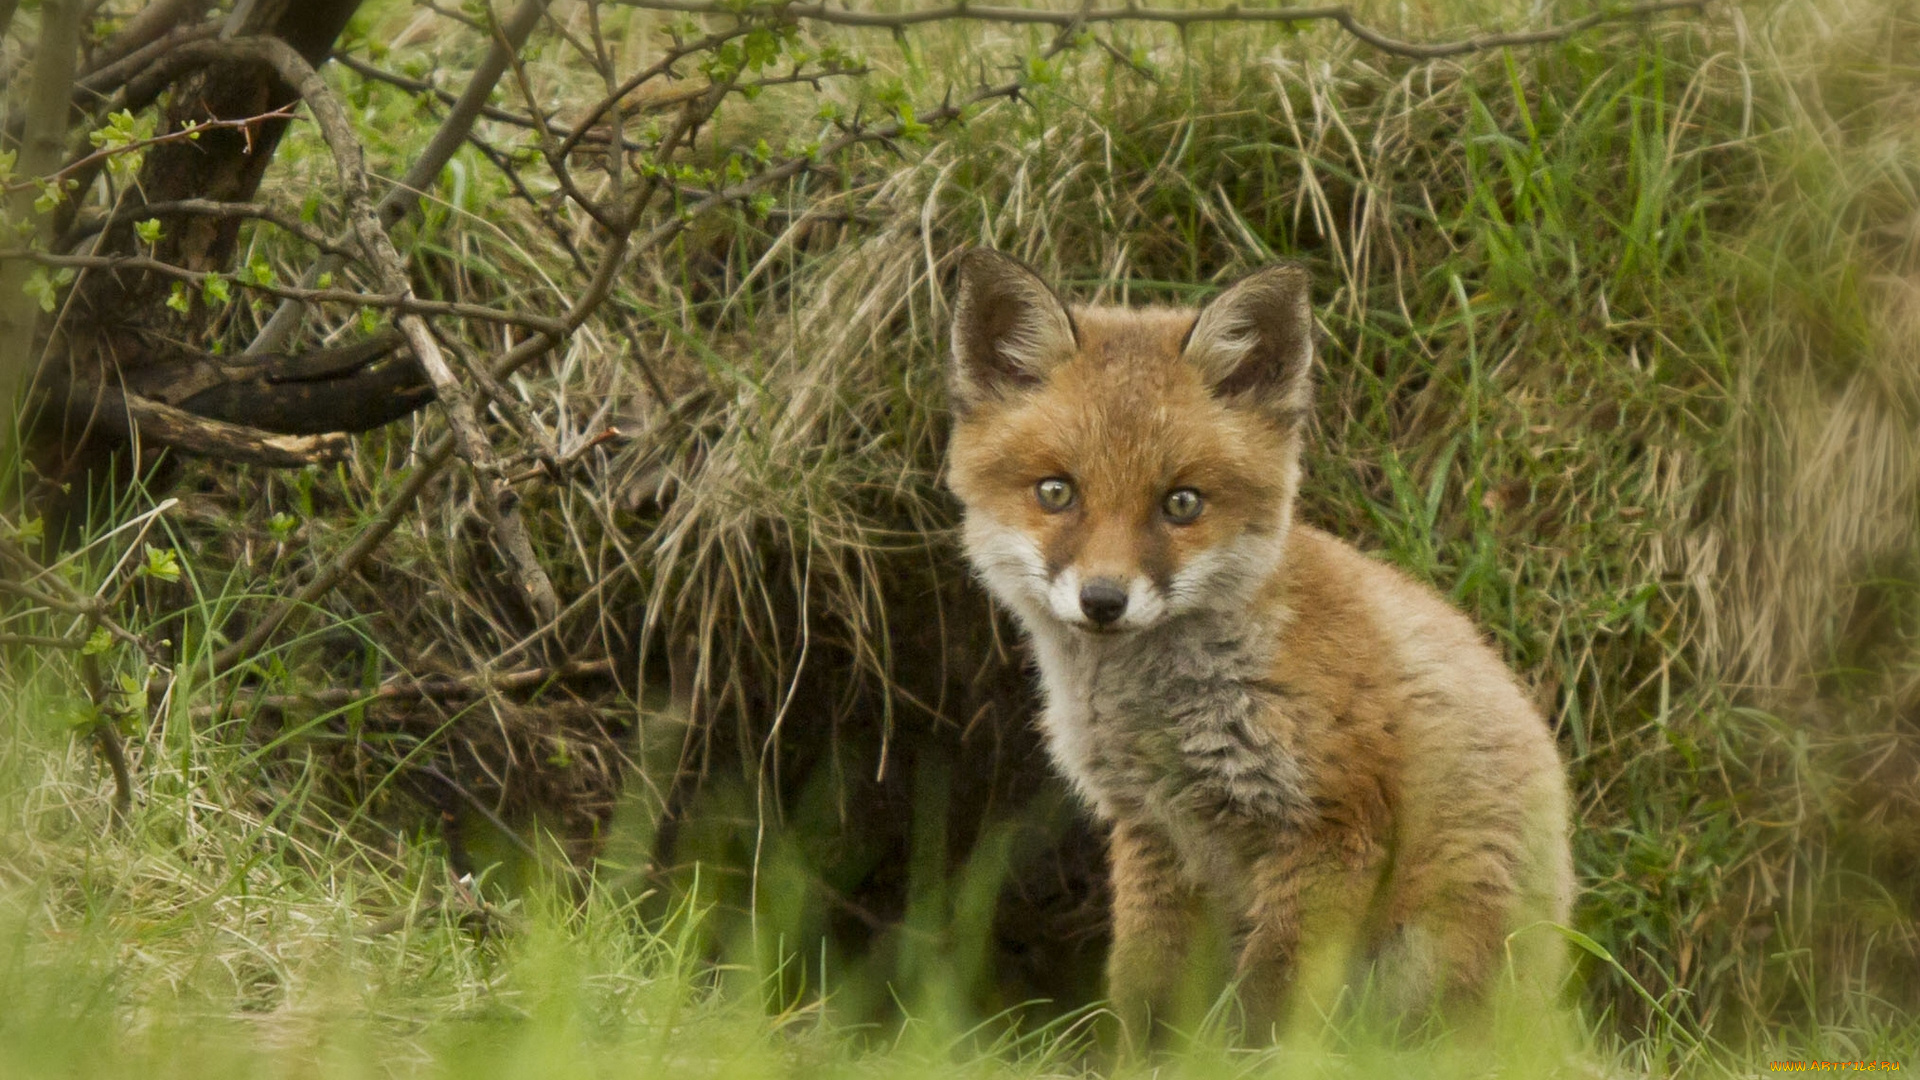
(1282, 734)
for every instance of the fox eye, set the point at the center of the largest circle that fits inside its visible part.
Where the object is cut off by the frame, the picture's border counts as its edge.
(1182, 505)
(1055, 493)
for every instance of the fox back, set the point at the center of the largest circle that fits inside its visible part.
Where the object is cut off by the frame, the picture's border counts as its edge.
(1273, 725)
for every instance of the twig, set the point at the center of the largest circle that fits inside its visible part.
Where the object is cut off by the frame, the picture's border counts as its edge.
(101, 80)
(107, 738)
(368, 70)
(364, 544)
(208, 208)
(540, 207)
(65, 598)
(1181, 17)
(559, 465)
(555, 155)
(370, 537)
(38, 641)
(285, 112)
(406, 302)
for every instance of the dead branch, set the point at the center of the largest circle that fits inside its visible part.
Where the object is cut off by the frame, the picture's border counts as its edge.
(216, 438)
(1179, 17)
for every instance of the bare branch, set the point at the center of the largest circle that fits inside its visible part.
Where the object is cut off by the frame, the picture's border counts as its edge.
(40, 641)
(402, 302)
(1181, 17)
(420, 86)
(107, 737)
(184, 134)
(598, 287)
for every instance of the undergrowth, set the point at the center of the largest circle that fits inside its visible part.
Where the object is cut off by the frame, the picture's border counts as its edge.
(1620, 355)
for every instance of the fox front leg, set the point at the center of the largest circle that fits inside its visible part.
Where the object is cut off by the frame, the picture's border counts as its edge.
(1302, 933)
(1155, 913)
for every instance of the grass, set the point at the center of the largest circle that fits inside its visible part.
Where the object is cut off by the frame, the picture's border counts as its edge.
(1620, 356)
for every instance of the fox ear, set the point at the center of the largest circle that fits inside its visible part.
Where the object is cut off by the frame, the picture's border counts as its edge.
(1254, 342)
(1009, 329)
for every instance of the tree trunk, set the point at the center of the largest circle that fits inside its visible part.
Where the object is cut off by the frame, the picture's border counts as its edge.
(118, 336)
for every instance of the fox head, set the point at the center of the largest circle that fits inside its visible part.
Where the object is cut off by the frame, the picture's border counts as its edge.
(1122, 467)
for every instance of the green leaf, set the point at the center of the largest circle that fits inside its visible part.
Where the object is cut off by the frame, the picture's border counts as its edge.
(80, 717)
(148, 231)
(162, 563)
(45, 287)
(178, 299)
(97, 642)
(910, 128)
(51, 195)
(214, 290)
(135, 691)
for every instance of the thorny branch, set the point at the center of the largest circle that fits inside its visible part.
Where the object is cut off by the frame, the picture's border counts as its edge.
(184, 134)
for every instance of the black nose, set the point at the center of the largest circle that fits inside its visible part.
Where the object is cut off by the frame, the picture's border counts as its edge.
(1103, 600)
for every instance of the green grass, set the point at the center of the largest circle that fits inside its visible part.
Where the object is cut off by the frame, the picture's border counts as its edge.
(1621, 357)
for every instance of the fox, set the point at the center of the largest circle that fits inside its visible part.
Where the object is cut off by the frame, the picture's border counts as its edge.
(1279, 733)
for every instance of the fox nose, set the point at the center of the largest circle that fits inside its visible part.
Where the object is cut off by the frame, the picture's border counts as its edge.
(1103, 600)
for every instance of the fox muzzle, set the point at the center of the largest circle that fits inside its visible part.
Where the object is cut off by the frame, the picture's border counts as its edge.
(1103, 601)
